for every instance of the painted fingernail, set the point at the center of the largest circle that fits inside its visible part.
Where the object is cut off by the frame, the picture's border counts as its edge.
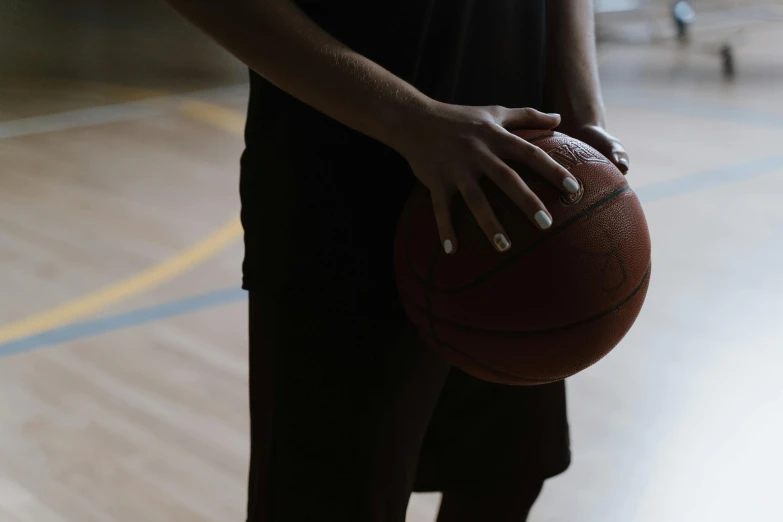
(543, 219)
(448, 247)
(571, 185)
(501, 242)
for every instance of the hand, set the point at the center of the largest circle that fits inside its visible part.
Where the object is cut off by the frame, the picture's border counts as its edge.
(451, 147)
(597, 137)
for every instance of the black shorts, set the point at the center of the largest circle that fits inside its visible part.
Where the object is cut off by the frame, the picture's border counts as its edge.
(347, 419)
(350, 412)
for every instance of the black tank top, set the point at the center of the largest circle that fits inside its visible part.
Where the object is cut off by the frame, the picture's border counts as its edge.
(305, 174)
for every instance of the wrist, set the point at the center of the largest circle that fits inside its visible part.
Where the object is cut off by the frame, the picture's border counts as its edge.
(401, 120)
(582, 114)
(577, 99)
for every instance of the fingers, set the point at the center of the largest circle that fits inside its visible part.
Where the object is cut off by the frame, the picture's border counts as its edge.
(607, 145)
(620, 158)
(614, 151)
(513, 147)
(527, 118)
(479, 206)
(515, 188)
(441, 204)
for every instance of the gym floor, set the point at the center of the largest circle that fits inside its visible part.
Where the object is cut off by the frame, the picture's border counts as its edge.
(123, 329)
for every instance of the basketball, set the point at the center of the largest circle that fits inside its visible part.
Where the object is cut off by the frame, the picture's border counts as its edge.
(552, 305)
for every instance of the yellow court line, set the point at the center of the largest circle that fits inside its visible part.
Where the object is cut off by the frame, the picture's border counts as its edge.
(222, 118)
(116, 93)
(133, 286)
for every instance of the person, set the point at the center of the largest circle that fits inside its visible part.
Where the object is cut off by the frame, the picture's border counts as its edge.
(351, 102)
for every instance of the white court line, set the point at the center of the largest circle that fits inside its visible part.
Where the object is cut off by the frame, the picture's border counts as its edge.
(119, 112)
(163, 105)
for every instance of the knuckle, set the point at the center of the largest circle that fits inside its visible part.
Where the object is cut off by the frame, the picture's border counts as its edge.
(526, 113)
(528, 200)
(525, 193)
(486, 127)
(538, 152)
(483, 217)
(496, 111)
(557, 168)
(529, 152)
(489, 224)
(471, 138)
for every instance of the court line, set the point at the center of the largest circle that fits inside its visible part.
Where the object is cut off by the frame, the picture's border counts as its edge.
(92, 328)
(233, 122)
(123, 93)
(219, 117)
(692, 108)
(656, 192)
(709, 179)
(132, 286)
(89, 117)
(119, 112)
(197, 105)
(209, 246)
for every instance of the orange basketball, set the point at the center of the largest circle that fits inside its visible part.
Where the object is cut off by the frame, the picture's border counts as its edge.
(557, 301)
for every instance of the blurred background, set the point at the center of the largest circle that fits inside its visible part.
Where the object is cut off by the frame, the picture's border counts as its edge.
(123, 330)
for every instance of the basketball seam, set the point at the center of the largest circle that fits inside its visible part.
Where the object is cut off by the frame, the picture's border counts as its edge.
(501, 373)
(552, 329)
(525, 251)
(430, 289)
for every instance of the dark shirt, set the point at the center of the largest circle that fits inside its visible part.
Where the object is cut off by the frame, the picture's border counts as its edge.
(320, 201)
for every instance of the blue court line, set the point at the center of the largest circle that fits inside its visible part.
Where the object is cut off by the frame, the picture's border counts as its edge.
(647, 194)
(654, 192)
(694, 108)
(710, 178)
(650, 193)
(85, 329)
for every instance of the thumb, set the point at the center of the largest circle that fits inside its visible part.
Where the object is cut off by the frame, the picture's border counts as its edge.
(527, 118)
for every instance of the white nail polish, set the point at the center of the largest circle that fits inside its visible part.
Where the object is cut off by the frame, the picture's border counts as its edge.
(571, 185)
(501, 242)
(543, 219)
(447, 246)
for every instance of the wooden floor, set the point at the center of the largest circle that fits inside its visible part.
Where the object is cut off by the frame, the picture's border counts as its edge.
(123, 332)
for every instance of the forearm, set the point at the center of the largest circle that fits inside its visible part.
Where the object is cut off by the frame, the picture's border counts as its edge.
(572, 63)
(281, 43)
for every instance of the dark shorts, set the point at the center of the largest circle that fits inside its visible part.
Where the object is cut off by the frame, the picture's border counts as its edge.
(347, 419)
(350, 412)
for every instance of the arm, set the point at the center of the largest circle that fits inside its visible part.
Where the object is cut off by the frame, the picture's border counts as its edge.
(281, 43)
(573, 77)
(449, 147)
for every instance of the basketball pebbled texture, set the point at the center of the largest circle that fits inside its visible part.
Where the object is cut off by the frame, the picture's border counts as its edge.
(557, 301)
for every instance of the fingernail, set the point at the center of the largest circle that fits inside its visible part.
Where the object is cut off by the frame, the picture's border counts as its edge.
(448, 247)
(571, 185)
(553, 114)
(543, 219)
(622, 161)
(501, 242)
